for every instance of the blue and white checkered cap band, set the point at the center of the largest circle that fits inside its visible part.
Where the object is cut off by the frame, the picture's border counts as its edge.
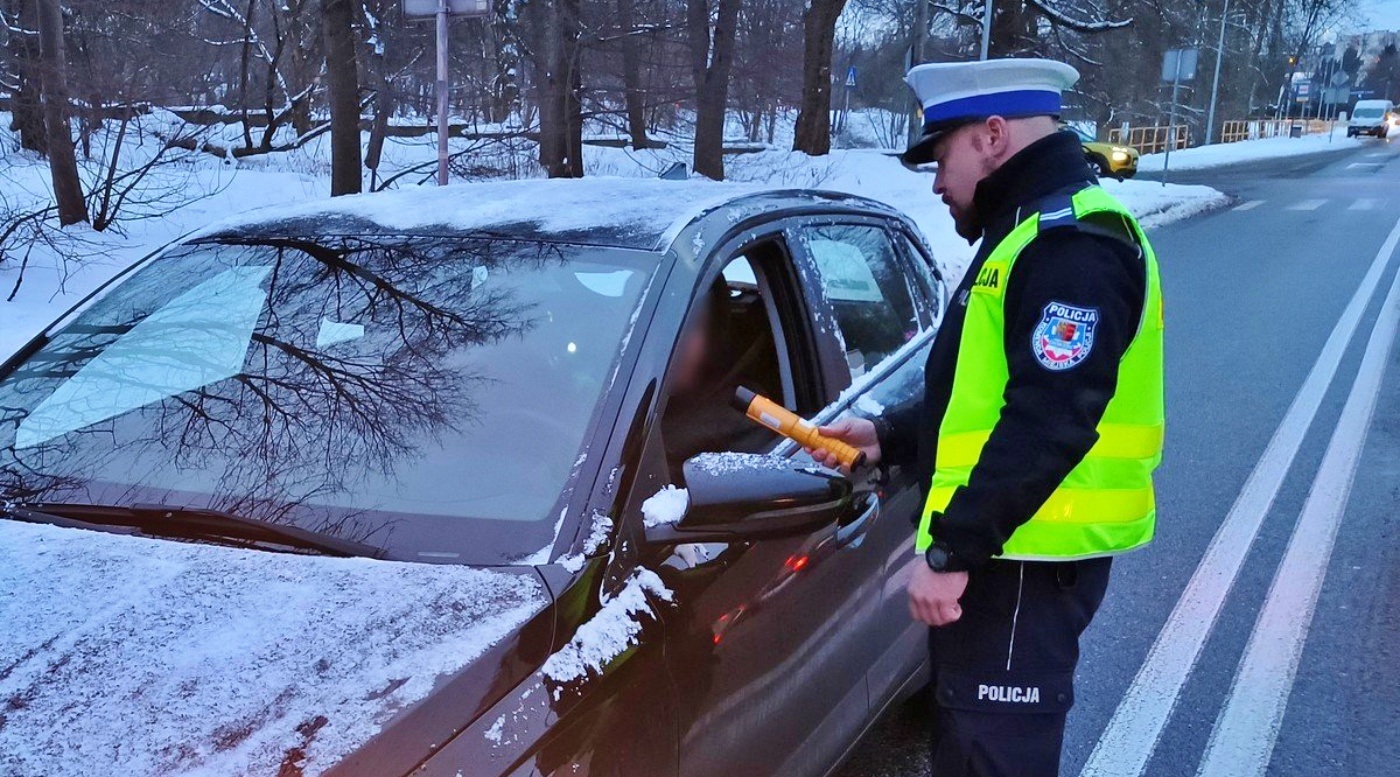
(1019, 102)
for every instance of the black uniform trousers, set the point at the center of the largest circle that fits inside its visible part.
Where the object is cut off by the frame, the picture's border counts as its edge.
(1005, 670)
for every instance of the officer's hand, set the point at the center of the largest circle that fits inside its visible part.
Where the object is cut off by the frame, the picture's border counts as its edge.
(933, 596)
(858, 432)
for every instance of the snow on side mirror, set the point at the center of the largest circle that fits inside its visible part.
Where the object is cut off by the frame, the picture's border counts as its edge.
(736, 497)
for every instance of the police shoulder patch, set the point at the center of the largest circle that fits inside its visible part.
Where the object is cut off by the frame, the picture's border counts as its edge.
(1065, 336)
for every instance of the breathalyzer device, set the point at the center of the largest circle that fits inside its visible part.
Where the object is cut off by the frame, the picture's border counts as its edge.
(794, 427)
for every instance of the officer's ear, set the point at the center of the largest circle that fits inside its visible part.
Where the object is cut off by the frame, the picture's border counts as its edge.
(995, 136)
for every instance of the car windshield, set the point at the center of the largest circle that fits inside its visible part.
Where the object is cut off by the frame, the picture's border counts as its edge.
(427, 396)
(1369, 113)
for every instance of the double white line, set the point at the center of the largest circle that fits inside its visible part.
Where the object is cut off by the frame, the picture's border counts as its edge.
(1244, 734)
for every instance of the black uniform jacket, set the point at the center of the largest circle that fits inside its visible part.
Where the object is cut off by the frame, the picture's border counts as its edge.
(1049, 420)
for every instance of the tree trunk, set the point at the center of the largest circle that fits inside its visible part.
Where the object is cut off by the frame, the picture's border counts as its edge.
(712, 59)
(634, 95)
(63, 163)
(561, 112)
(505, 93)
(813, 131)
(243, 57)
(343, 88)
(27, 105)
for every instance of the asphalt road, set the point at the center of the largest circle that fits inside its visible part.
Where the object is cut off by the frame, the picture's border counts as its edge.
(1272, 593)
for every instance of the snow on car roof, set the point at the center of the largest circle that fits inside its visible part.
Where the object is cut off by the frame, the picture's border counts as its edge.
(627, 212)
(127, 655)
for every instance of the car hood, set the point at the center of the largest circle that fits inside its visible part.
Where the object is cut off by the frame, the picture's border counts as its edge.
(127, 655)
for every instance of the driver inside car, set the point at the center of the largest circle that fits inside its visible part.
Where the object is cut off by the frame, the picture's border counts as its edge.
(712, 359)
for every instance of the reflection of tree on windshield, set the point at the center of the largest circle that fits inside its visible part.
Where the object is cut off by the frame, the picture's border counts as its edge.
(361, 352)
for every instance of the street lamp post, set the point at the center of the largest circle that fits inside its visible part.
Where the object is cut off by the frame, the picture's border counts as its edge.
(1215, 82)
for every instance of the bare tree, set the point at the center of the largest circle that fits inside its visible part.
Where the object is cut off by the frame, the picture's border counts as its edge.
(343, 88)
(813, 132)
(712, 35)
(633, 94)
(21, 17)
(63, 163)
(558, 81)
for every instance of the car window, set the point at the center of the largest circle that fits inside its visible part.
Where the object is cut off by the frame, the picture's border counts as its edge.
(931, 282)
(868, 290)
(734, 338)
(424, 395)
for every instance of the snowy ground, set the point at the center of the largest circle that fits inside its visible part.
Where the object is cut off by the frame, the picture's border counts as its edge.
(217, 187)
(1222, 154)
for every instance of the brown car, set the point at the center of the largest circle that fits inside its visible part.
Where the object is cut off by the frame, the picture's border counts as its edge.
(391, 485)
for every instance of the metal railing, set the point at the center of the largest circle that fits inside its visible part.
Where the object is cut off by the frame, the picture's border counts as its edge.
(1152, 140)
(1258, 129)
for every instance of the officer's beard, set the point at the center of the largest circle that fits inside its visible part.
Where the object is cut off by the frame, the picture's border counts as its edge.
(969, 227)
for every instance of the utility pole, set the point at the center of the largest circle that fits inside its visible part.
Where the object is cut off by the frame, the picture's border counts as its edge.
(986, 28)
(1215, 82)
(443, 127)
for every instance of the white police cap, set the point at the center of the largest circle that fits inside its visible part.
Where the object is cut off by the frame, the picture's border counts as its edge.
(954, 93)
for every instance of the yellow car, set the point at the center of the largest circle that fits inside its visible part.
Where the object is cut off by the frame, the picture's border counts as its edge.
(1109, 160)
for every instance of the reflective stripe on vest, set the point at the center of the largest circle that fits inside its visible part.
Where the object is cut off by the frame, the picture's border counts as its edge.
(1106, 503)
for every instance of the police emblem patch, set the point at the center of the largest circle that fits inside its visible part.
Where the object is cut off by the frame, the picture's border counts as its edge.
(1064, 336)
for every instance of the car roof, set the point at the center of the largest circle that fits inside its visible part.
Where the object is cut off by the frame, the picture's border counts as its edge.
(633, 213)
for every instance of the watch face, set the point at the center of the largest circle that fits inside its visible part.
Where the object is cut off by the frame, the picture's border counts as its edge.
(937, 558)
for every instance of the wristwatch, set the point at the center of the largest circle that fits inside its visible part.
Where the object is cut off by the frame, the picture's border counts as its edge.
(939, 558)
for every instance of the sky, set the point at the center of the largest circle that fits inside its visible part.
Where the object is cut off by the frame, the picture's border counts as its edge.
(1383, 14)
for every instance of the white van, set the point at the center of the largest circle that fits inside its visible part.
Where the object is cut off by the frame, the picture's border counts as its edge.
(1371, 117)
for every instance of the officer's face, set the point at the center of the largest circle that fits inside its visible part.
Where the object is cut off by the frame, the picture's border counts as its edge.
(964, 156)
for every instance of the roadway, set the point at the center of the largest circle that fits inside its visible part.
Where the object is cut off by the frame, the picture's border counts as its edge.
(1258, 635)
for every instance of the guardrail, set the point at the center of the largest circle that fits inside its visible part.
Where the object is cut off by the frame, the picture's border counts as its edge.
(1257, 129)
(1152, 140)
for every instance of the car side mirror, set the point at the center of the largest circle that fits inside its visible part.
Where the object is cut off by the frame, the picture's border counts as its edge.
(736, 497)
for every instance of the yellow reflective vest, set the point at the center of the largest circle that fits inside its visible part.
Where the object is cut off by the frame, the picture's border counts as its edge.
(1106, 503)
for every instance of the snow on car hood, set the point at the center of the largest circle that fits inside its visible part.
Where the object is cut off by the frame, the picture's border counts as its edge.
(132, 656)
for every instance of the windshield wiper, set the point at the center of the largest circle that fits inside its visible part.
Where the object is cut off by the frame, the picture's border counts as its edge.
(190, 523)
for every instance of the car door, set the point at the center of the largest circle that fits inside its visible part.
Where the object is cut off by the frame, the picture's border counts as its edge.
(767, 640)
(886, 299)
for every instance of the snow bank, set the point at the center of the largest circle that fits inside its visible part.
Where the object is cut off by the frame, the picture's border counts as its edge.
(1155, 205)
(1221, 154)
(130, 656)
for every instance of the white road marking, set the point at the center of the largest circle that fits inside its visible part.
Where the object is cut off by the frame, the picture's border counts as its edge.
(1365, 203)
(1377, 154)
(1245, 733)
(1251, 205)
(1364, 164)
(1128, 740)
(1307, 205)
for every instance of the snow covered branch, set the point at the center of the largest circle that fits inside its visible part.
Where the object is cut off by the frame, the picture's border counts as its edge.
(1080, 25)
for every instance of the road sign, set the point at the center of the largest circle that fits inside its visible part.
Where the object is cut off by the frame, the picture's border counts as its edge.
(851, 77)
(1179, 65)
(412, 8)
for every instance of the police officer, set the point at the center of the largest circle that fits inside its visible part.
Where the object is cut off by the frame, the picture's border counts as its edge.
(1041, 420)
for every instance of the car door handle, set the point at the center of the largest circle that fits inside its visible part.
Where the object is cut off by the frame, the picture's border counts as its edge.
(864, 510)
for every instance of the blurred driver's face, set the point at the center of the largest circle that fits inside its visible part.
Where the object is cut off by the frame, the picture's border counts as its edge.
(964, 156)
